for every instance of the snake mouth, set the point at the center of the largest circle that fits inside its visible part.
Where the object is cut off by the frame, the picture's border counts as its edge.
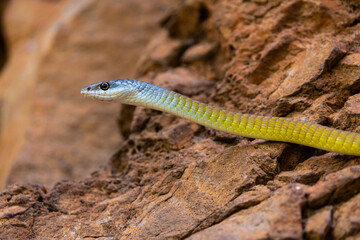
(87, 93)
(83, 92)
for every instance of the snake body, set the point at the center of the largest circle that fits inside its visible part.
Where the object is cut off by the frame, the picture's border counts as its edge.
(134, 92)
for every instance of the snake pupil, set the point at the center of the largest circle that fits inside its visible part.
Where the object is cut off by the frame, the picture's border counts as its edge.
(104, 86)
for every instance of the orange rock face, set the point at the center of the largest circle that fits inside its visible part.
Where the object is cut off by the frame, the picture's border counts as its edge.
(165, 177)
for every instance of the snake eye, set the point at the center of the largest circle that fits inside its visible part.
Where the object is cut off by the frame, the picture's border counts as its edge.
(104, 86)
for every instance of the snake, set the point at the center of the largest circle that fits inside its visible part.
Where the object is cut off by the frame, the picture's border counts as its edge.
(283, 129)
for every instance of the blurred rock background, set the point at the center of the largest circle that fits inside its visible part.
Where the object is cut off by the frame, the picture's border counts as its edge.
(53, 49)
(135, 173)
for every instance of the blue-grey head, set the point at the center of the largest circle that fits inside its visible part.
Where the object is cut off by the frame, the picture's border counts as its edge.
(120, 90)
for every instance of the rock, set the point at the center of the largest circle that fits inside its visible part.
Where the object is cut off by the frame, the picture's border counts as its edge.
(202, 51)
(335, 187)
(177, 136)
(272, 54)
(312, 169)
(320, 110)
(187, 20)
(183, 81)
(347, 218)
(352, 105)
(205, 188)
(308, 67)
(250, 198)
(160, 53)
(349, 115)
(351, 60)
(11, 211)
(58, 58)
(354, 237)
(318, 225)
(25, 54)
(278, 217)
(170, 178)
(18, 209)
(347, 72)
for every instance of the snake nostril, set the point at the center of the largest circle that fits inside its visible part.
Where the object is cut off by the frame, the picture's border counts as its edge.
(88, 88)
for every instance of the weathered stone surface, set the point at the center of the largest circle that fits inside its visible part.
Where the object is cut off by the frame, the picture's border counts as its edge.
(318, 225)
(161, 53)
(347, 71)
(198, 52)
(312, 169)
(172, 179)
(250, 198)
(352, 105)
(347, 218)
(354, 237)
(203, 191)
(335, 187)
(18, 205)
(179, 135)
(320, 110)
(11, 211)
(308, 66)
(349, 114)
(184, 81)
(264, 220)
(187, 20)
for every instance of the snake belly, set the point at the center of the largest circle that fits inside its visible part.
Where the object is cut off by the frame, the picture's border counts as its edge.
(282, 129)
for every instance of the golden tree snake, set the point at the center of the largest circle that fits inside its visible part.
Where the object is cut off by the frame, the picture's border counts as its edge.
(138, 93)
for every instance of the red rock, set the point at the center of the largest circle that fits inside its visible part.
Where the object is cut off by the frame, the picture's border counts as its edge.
(307, 67)
(312, 169)
(335, 187)
(320, 110)
(352, 105)
(179, 135)
(278, 217)
(161, 52)
(346, 73)
(254, 196)
(47, 126)
(202, 51)
(351, 60)
(21, 27)
(204, 189)
(273, 54)
(11, 211)
(318, 225)
(172, 179)
(186, 21)
(354, 237)
(347, 218)
(349, 115)
(183, 81)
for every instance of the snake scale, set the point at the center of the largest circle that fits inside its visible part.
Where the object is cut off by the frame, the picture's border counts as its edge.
(134, 92)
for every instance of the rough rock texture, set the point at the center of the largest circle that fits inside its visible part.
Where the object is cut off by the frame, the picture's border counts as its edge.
(173, 179)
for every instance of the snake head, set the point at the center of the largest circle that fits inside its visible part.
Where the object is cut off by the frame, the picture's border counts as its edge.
(120, 90)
